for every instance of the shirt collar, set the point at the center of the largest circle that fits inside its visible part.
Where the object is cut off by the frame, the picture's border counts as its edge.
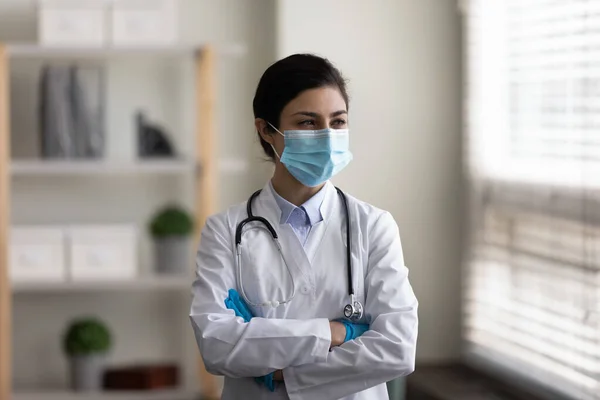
(312, 206)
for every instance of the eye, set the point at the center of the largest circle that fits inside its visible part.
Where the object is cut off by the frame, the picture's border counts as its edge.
(339, 122)
(307, 122)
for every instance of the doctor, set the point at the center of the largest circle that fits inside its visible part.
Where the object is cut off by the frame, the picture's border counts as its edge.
(309, 261)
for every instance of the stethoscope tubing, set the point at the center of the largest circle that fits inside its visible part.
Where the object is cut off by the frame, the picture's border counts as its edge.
(272, 303)
(267, 225)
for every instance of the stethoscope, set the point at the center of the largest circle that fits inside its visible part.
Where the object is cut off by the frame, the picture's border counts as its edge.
(352, 310)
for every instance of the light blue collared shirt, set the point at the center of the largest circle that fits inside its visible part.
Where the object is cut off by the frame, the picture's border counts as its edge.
(302, 218)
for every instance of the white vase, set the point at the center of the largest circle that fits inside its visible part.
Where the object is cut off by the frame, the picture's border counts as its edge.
(87, 372)
(172, 255)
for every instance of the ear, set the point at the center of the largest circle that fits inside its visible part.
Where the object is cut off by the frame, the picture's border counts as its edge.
(264, 130)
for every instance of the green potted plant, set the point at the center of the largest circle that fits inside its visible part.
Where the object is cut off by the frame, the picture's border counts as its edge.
(86, 342)
(171, 229)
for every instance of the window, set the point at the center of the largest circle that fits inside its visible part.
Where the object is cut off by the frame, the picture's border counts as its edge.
(532, 122)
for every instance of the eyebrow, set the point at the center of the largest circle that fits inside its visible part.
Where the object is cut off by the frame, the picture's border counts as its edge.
(315, 115)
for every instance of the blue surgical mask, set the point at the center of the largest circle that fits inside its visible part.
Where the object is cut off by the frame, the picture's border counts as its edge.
(314, 156)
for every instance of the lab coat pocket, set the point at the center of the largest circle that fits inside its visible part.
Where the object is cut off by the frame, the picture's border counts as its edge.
(262, 274)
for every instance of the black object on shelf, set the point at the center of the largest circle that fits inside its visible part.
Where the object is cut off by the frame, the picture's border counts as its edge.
(153, 141)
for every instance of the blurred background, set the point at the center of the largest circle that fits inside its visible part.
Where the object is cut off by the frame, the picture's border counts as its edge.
(124, 123)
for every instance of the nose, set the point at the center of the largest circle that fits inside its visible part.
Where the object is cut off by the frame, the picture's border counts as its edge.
(323, 124)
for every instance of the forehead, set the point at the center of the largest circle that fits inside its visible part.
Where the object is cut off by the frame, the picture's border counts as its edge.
(324, 100)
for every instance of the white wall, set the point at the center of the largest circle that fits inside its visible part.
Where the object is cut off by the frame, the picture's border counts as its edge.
(402, 58)
(40, 319)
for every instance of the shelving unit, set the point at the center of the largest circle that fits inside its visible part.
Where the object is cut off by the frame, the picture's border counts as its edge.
(200, 168)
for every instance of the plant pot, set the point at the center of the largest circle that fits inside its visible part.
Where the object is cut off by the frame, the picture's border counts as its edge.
(172, 255)
(87, 372)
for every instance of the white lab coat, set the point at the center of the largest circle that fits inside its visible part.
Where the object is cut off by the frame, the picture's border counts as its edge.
(295, 337)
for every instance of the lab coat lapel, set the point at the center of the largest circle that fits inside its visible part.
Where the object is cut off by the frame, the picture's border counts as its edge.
(319, 230)
(266, 206)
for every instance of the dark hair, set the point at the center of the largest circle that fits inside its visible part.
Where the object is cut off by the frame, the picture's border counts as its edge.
(284, 80)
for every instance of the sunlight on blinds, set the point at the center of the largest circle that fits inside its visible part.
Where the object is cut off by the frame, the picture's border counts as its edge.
(536, 72)
(532, 122)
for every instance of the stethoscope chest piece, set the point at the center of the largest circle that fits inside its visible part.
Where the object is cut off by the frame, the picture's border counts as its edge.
(354, 310)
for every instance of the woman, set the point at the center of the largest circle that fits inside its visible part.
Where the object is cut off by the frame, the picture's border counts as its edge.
(261, 315)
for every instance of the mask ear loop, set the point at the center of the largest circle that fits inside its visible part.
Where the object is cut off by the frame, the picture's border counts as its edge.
(275, 151)
(273, 147)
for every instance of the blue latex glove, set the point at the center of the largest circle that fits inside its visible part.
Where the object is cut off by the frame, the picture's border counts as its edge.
(354, 330)
(238, 305)
(267, 380)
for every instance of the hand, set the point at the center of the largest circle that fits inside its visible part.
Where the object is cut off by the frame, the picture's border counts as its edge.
(354, 330)
(278, 376)
(338, 333)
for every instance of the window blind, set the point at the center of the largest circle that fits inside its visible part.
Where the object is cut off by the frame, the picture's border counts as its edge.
(532, 120)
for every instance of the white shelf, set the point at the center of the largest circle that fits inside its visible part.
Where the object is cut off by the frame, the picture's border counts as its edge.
(154, 283)
(146, 395)
(32, 50)
(100, 167)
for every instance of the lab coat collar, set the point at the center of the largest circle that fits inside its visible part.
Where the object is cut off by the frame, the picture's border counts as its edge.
(298, 256)
(312, 206)
(329, 195)
(272, 210)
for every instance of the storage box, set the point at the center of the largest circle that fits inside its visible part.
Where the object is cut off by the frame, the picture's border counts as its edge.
(37, 254)
(102, 252)
(72, 22)
(144, 22)
(150, 377)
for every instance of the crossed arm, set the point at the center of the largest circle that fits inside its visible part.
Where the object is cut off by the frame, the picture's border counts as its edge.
(340, 332)
(305, 350)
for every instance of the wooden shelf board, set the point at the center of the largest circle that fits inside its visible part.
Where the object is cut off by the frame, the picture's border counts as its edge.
(141, 284)
(99, 167)
(34, 50)
(36, 167)
(108, 395)
(18, 50)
